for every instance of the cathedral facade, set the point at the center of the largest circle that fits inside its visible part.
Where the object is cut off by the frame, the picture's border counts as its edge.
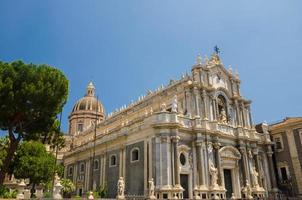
(193, 138)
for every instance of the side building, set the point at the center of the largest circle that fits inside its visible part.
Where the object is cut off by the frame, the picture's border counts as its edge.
(287, 136)
(194, 138)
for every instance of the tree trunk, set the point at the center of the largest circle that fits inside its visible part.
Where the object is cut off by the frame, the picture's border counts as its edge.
(32, 191)
(13, 144)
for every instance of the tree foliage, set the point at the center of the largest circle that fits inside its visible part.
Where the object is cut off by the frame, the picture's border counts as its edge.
(3, 147)
(31, 96)
(34, 162)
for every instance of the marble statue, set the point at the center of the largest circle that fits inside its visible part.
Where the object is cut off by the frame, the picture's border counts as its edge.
(223, 116)
(214, 174)
(163, 107)
(121, 188)
(255, 176)
(90, 197)
(174, 104)
(57, 188)
(151, 189)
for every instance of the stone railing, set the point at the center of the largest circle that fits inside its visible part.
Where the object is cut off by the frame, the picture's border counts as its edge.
(225, 128)
(172, 118)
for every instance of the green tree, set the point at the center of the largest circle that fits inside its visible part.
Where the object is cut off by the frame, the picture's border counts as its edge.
(34, 162)
(3, 146)
(31, 96)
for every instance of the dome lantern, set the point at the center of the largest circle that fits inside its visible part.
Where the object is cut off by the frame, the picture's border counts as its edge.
(84, 112)
(90, 90)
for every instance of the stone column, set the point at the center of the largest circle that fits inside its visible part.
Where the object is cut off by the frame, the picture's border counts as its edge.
(165, 161)
(250, 164)
(175, 140)
(238, 114)
(216, 146)
(197, 103)
(243, 115)
(188, 102)
(271, 167)
(205, 104)
(200, 163)
(215, 106)
(250, 116)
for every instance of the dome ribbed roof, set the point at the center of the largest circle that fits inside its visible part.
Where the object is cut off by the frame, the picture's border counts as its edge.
(89, 102)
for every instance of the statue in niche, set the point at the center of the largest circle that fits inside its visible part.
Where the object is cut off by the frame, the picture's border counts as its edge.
(223, 116)
(163, 107)
(222, 112)
(214, 174)
(255, 176)
(121, 188)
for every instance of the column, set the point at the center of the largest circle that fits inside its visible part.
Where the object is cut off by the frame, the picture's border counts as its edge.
(215, 109)
(250, 116)
(87, 175)
(244, 123)
(197, 103)
(75, 173)
(165, 161)
(205, 104)
(238, 113)
(271, 167)
(250, 165)
(200, 163)
(216, 146)
(175, 140)
(188, 102)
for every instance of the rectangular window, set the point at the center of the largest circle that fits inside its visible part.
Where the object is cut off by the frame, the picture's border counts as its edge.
(278, 143)
(80, 128)
(283, 173)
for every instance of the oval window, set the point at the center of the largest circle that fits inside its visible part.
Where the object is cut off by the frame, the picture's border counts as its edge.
(182, 159)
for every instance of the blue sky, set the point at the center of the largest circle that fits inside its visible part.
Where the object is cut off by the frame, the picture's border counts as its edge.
(128, 47)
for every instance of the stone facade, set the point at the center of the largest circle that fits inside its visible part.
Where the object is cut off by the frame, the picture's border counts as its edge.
(287, 136)
(193, 137)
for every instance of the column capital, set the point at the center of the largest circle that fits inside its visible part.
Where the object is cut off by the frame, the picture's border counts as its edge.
(242, 150)
(198, 143)
(216, 145)
(175, 139)
(164, 138)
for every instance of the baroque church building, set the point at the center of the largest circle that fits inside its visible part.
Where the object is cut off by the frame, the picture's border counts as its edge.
(193, 138)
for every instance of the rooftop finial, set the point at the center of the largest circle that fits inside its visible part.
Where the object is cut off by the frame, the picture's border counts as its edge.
(237, 74)
(198, 59)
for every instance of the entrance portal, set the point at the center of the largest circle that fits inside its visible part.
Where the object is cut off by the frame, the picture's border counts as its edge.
(184, 182)
(228, 182)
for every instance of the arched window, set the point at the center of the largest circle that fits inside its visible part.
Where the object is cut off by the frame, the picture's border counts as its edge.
(82, 168)
(222, 109)
(134, 155)
(112, 161)
(70, 171)
(96, 164)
